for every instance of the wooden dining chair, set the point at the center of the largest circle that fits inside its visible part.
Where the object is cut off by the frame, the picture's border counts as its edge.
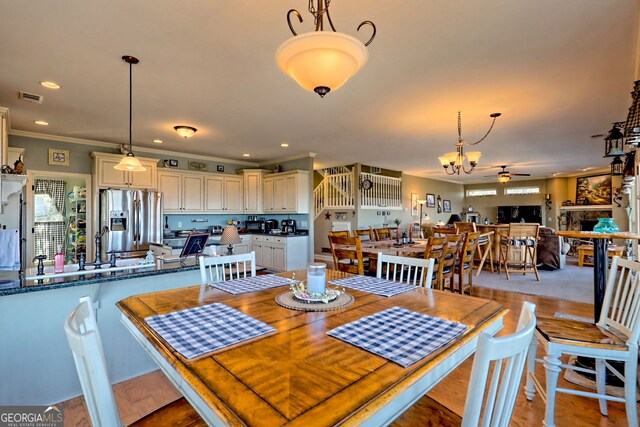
(84, 340)
(614, 338)
(382, 234)
(444, 231)
(347, 254)
(221, 268)
(447, 267)
(490, 401)
(484, 249)
(518, 249)
(412, 271)
(435, 249)
(364, 235)
(464, 265)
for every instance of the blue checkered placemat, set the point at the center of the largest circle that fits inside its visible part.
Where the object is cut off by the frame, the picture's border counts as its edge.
(400, 335)
(251, 284)
(374, 285)
(196, 331)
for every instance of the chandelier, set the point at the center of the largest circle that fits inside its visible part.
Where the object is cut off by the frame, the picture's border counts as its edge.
(456, 159)
(322, 61)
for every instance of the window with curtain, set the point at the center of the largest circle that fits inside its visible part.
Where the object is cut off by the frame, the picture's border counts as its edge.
(49, 217)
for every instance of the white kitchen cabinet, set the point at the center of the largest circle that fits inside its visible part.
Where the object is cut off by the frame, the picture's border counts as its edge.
(245, 247)
(108, 177)
(281, 253)
(223, 194)
(253, 190)
(267, 195)
(183, 192)
(286, 192)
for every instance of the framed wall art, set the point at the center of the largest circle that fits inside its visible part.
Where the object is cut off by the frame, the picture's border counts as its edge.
(439, 200)
(58, 157)
(431, 200)
(446, 205)
(593, 190)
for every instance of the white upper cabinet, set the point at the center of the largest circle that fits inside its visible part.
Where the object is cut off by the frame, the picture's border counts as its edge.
(253, 190)
(182, 192)
(286, 192)
(108, 177)
(223, 194)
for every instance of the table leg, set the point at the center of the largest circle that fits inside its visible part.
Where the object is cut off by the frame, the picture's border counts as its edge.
(600, 264)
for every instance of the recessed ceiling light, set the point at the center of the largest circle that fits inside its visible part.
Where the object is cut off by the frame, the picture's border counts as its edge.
(246, 155)
(157, 141)
(284, 144)
(50, 85)
(41, 123)
(586, 169)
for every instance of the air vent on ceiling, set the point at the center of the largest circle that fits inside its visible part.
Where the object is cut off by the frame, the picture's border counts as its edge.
(31, 97)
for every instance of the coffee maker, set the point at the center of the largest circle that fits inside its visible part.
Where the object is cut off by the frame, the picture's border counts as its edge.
(288, 226)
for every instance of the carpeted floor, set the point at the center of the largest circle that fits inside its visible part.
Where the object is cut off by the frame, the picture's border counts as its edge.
(572, 283)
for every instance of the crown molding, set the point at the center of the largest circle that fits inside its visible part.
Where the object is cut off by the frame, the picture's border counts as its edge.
(138, 149)
(450, 181)
(288, 159)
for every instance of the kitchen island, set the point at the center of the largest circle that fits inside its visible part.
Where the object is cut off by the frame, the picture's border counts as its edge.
(38, 367)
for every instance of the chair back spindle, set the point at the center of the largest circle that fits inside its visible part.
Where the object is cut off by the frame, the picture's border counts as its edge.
(408, 270)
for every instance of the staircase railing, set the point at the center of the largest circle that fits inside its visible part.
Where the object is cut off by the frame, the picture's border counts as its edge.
(336, 191)
(385, 192)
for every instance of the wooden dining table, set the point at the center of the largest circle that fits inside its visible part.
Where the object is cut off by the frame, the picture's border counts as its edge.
(298, 375)
(389, 247)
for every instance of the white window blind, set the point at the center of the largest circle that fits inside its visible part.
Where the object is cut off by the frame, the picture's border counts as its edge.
(482, 192)
(516, 191)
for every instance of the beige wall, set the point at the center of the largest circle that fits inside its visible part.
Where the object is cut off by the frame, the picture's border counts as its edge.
(363, 218)
(561, 190)
(488, 206)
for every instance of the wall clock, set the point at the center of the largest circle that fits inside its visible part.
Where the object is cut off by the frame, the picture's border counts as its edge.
(366, 184)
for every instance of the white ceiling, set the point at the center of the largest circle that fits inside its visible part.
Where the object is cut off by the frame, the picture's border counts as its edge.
(558, 71)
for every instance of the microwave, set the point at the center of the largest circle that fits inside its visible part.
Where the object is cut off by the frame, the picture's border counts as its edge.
(256, 226)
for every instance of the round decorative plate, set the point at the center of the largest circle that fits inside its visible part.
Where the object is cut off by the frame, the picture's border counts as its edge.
(329, 295)
(288, 300)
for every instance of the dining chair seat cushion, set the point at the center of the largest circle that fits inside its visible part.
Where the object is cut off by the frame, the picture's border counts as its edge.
(177, 413)
(446, 270)
(464, 267)
(483, 239)
(518, 242)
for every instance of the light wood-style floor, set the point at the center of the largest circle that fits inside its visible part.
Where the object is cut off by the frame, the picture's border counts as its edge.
(144, 394)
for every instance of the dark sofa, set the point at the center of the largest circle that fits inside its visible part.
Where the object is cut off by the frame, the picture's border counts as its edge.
(552, 250)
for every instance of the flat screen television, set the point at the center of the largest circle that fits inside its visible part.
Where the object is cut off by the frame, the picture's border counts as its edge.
(526, 213)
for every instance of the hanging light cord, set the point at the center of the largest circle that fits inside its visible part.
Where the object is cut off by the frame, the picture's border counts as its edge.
(130, 153)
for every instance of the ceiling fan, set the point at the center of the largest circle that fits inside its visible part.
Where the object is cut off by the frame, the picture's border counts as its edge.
(504, 175)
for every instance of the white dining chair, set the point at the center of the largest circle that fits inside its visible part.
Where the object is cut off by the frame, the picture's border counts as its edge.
(217, 269)
(614, 337)
(412, 271)
(503, 357)
(85, 343)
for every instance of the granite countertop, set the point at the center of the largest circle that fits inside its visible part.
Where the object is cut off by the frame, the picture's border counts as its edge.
(12, 286)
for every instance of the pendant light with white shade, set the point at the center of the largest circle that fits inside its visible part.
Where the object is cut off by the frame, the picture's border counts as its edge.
(322, 61)
(129, 162)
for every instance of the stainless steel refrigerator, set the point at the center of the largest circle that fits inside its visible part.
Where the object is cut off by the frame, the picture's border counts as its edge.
(133, 219)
